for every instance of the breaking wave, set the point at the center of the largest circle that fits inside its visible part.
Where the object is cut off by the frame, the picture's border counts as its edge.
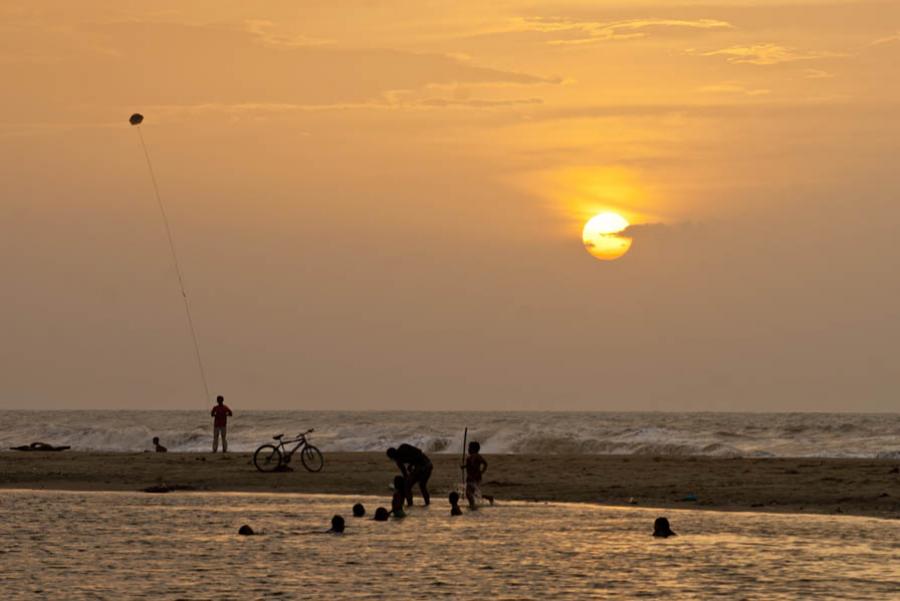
(670, 434)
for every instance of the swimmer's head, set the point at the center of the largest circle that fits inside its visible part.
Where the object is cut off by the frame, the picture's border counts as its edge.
(156, 440)
(359, 510)
(220, 399)
(337, 524)
(392, 453)
(474, 447)
(399, 483)
(454, 498)
(381, 514)
(661, 528)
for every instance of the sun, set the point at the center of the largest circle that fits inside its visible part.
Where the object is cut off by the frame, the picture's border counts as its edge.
(602, 236)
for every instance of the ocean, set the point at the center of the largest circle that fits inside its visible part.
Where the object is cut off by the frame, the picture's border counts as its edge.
(675, 434)
(107, 545)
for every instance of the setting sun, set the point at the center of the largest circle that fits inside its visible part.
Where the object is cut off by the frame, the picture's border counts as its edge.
(601, 236)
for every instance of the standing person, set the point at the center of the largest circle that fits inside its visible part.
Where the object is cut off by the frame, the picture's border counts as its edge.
(220, 413)
(416, 468)
(475, 466)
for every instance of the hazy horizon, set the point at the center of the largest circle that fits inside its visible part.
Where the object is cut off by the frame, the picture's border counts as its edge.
(379, 206)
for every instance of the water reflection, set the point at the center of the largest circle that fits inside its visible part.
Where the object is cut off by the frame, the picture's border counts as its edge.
(85, 545)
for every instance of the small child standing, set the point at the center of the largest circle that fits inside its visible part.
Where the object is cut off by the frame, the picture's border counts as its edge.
(475, 468)
(454, 504)
(399, 497)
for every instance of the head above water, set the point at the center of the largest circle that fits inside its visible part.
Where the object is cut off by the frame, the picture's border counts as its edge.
(399, 483)
(156, 440)
(454, 498)
(392, 453)
(381, 514)
(245, 530)
(661, 528)
(337, 524)
(220, 399)
(359, 510)
(474, 447)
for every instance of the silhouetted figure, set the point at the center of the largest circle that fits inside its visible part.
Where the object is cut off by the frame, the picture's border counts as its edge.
(246, 530)
(661, 528)
(220, 413)
(359, 510)
(398, 498)
(415, 467)
(337, 525)
(454, 504)
(381, 514)
(158, 447)
(475, 467)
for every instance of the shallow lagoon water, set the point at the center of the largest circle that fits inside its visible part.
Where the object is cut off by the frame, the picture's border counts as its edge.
(89, 545)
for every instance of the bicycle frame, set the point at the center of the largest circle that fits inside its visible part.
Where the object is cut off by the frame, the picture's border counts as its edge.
(300, 440)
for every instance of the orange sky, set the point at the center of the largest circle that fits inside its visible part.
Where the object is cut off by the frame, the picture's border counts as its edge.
(378, 205)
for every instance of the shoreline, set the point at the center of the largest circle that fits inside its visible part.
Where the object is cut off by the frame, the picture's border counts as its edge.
(861, 487)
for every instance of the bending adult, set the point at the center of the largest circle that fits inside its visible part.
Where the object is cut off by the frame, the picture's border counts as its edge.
(416, 468)
(220, 414)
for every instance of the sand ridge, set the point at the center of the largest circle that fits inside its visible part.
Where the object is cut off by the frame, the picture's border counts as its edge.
(869, 487)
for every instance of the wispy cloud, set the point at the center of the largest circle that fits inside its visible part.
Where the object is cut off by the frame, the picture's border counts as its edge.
(730, 87)
(766, 54)
(575, 32)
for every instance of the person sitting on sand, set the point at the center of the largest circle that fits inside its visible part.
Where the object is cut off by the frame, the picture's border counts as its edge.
(399, 497)
(415, 467)
(158, 447)
(475, 467)
(454, 504)
(220, 413)
(661, 528)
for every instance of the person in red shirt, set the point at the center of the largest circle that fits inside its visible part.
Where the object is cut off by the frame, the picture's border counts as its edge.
(220, 413)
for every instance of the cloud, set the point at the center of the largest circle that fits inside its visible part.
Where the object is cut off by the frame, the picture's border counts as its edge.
(766, 54)
(733, 88)
(587, 32)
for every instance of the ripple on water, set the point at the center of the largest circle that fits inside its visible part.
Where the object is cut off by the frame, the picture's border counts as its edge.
(188, 547)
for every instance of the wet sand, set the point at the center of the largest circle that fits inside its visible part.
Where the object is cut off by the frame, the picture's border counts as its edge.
(868, 487)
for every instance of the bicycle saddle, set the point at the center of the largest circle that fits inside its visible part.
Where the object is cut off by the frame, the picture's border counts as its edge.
(277, 437)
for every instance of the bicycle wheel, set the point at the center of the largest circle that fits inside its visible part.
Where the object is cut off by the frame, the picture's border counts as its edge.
(312, 458)
(267, 458)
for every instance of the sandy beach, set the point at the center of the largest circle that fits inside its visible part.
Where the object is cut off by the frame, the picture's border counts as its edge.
(866, 487)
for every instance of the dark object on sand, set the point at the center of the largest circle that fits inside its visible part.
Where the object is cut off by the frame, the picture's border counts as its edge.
(454, 503)
(136, 119)
(359, 510)
(381, 514)
(40, 446)
(246, 530)
(661, 528)
(163, 487)
(337, 525)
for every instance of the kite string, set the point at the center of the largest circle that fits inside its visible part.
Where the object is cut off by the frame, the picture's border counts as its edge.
(184, 296)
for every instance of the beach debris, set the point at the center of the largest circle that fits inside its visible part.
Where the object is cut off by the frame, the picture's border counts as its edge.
(661, 528)
(162, 487)
(689, 497)
(246, 530)
(381, 514)
(359, 510)
(39, 446)
(337, 525)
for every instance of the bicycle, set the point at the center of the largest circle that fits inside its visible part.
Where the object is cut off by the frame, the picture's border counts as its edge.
(270, 457)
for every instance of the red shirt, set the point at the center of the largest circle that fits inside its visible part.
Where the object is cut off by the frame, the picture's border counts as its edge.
(221, 413)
